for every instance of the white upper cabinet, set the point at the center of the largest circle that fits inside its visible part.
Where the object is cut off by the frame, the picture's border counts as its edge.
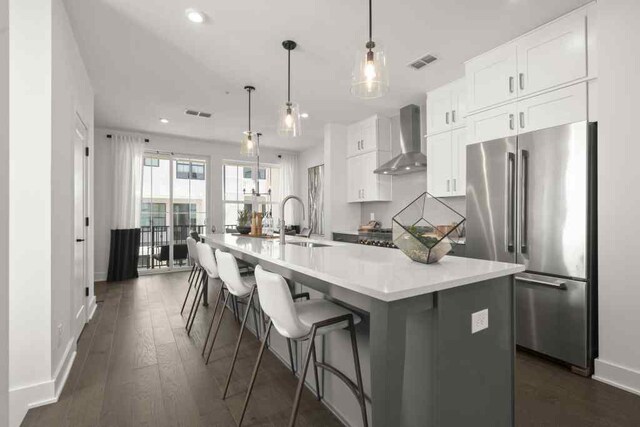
(491, 78)
(362, 184)
(446, 107)
(553, 55)
(372, 134)
(547, 58)
(447, 163)
(491, 124)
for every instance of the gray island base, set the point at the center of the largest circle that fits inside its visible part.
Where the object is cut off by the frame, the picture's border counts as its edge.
(426, 367)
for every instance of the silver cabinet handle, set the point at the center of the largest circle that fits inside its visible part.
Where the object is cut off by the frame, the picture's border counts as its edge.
(510, 84)
(510, 189)
(521, 80)
(448, 185)
(446, 117)
(524, 196)
(511, 121)
(560, 284)
(521, 119)
(453, 116)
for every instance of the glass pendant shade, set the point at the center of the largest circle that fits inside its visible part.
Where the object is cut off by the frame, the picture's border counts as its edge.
(248, 145)
(370, 77)
(289, 120)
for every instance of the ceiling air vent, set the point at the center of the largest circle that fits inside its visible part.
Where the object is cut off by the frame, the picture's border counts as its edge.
(421, 62)
(197, 113)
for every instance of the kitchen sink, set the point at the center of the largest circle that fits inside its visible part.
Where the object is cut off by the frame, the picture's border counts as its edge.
(308, 244)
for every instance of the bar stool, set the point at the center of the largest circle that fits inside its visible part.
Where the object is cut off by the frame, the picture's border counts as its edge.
(304, 321)
(195, 269)
(241, 288)
(208, 265)
(199, 282)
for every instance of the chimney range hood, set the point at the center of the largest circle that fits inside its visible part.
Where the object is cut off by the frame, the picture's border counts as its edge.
(411, 158)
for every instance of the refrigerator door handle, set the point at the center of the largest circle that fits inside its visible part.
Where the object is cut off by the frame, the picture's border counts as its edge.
(524, 195)
(510, 189)
(560, 284)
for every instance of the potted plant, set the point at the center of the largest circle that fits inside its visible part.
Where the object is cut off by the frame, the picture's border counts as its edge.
(244, 223)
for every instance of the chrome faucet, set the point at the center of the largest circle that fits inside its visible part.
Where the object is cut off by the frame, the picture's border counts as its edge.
(284, 201)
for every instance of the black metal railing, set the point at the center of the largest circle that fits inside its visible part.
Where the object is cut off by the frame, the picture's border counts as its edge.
(155, 242)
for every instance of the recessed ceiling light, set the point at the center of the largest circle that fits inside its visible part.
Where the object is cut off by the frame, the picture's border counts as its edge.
(304, 115)
(195, 16)
(408, 168)
(163, 120)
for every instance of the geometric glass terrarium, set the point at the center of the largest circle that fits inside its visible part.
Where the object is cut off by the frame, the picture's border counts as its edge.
(427, 229)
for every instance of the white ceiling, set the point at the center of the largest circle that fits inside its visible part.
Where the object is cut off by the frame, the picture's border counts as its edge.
(147, 61)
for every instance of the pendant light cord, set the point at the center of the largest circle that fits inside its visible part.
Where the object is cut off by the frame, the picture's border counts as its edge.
(370, 22)
(249, 90)
(289, 76)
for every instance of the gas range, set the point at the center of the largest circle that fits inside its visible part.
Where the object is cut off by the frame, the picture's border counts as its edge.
(382, 237)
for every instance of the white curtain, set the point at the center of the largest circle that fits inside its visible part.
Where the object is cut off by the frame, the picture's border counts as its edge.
(127, 153)
(288, 176)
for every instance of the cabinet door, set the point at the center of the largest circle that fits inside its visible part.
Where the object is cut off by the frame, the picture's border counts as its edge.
(562, 106)
(354, 179)
(439, 165)
(439, 110)
(459, 162)
(458, 103)
(498, 122)
(354, 138)
(368, 136)
(491, 78)
(553, 55)
(369, 180)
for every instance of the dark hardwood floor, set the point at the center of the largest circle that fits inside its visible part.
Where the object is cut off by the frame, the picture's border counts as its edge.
(137, 367)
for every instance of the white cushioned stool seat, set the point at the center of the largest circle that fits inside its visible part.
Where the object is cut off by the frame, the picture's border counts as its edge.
(317, 310)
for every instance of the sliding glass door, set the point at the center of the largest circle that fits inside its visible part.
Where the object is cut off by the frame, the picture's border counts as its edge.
(174, 204)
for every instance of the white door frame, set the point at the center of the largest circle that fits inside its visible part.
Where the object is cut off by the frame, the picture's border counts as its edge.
(81, 316)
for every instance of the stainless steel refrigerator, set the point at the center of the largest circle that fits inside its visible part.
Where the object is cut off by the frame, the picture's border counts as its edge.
(531, 199)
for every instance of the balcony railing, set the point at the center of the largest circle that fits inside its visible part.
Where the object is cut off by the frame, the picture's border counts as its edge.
(155, 245)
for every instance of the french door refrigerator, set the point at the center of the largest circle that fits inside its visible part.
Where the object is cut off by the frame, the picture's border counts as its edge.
(531, 199)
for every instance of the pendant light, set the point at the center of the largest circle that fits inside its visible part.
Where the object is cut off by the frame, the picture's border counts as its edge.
(370, 77)
(289, 113)
(248, 145)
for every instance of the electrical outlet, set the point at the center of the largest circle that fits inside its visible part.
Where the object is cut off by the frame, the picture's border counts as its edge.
(479, 320)
(60, 330)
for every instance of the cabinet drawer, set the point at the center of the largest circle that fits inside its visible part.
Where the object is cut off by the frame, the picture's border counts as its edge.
(496, 123)
(560, 107)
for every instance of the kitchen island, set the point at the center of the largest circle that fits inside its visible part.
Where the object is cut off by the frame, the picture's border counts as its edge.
(426, 367)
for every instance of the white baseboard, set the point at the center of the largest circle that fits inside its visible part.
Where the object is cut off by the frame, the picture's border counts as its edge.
(24, 398)
(92, 308)
(618, 376)
(100, 276)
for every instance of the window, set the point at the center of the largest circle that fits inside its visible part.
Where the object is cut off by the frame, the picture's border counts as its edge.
(190, 170)
(153, 214)
(239, 186)
(184, 214)
(151, 161)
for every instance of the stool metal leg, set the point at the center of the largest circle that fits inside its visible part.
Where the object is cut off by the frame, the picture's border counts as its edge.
(303, 374)
(205, 284)
(235, 352)
(315, 370)
(215, 333)
(195, 298)
(256, 308)
(213, 318)
(356, 362)
(186, 297)
(255, 372)
(293, 367)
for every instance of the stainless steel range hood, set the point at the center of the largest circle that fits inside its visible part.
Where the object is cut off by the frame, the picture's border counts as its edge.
(411, 158)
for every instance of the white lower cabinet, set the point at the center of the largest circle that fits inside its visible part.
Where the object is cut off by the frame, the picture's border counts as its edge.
(362, 184)
(446, 163)
(559, 107)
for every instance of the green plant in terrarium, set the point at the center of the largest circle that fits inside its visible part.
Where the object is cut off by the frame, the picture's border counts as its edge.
(243, 217)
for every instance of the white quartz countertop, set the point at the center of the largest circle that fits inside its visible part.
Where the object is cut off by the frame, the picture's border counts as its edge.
(380, 273)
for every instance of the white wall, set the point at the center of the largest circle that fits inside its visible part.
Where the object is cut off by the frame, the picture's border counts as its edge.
(216, 153)
(619, 203)
(338, 214)
(30, 23)
(4, 213)
(72, 94)
(309, 158)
